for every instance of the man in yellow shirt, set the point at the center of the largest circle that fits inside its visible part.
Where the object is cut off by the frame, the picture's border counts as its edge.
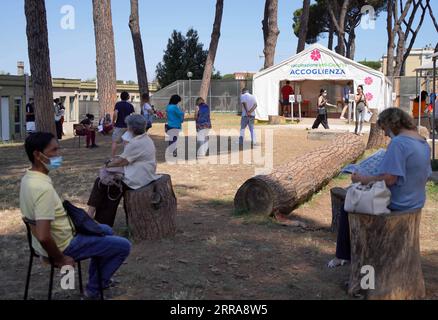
(53, 234)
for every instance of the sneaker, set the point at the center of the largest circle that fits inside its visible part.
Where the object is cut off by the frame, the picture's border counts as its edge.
(342, 118)
(90, 296)
(111, 284)
(94, 146)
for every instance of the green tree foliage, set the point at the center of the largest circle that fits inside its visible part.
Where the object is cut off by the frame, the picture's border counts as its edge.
(376, 65)
(229, 77)
(183, 54)
(318, 21)
(319, 18)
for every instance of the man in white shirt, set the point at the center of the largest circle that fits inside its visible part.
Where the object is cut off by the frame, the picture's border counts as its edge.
(249, 105)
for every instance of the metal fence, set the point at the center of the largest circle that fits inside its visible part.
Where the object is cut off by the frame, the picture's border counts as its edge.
(224, 95)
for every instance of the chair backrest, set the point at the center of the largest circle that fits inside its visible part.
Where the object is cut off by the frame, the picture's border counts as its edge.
(28, 223)
(77, 128)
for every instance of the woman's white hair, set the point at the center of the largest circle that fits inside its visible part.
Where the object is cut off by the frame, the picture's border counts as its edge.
(137, 123)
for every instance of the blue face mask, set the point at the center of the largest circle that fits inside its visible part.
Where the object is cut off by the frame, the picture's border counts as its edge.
(55, 163)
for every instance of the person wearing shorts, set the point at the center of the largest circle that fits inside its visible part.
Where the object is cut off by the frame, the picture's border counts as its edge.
(122, 110)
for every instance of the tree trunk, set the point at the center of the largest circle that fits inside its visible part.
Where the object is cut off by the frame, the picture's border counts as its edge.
(105, 56)
(152, 210)
(39, 59)
(304, 24)
(351, 46)
(208, 70)
(398, 30)
(270, 31)
(337, 16)
(294, 183)
(391, 37)
(134, 25)
(331, 35)
(390, 244)
(377, 138)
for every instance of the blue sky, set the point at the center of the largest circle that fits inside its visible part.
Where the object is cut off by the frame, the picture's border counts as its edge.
(72, 52)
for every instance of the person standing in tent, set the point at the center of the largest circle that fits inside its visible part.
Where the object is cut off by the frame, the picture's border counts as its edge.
(249, 105)
(322, 117)
(346, 95)
(361, 108)
(286, 92)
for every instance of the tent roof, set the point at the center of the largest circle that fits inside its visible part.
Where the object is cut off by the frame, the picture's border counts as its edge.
(327, 51)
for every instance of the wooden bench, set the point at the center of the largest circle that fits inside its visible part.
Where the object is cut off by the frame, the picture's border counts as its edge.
(390, 244)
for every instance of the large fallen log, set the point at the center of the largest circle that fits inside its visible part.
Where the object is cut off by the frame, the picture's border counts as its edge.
(385, 256)
(294, 183)
(151, 210)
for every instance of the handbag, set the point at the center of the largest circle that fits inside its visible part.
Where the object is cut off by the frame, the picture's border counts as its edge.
(82, 222)
(373, 198)
(368, 115)
(112, 177)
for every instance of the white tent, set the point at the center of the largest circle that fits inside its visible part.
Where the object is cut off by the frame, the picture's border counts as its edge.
(315, 68)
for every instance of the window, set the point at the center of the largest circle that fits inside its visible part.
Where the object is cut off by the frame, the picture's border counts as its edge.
(17, 114)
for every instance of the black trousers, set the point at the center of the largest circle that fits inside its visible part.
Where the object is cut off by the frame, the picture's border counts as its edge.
(58, 125)
(106, 200)
(343, 249)
(321, 119)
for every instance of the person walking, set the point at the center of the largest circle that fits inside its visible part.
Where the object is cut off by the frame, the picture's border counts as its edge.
(203, 125)
(147, 111)
(249, 106)
(322, 117)
(122, 110)
(175, 118)
(361, 108)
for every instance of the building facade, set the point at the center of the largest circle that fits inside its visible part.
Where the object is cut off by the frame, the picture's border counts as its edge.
(79, 98)
(416, 58)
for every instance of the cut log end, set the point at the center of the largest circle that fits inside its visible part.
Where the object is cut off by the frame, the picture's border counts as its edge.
(390, 244)
(254, 197)
(152, 210)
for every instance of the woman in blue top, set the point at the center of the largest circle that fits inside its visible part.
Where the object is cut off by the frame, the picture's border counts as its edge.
(203, 125)
(175, 118)
(405, 169)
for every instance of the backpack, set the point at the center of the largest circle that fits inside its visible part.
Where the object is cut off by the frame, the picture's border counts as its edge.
(82, 222)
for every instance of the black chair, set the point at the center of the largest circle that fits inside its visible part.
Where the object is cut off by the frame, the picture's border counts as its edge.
(33, 254)
(78, 132)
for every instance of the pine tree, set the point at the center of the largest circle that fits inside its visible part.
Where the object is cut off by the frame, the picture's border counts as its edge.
(183, 54)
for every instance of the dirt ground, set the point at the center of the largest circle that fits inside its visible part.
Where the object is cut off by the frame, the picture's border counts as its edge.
(216, 254)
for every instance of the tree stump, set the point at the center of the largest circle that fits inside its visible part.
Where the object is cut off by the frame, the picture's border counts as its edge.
(338, 199)
(391, 245)
(275, 120)
(377, 139)
(151, 210)
(294, 183)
